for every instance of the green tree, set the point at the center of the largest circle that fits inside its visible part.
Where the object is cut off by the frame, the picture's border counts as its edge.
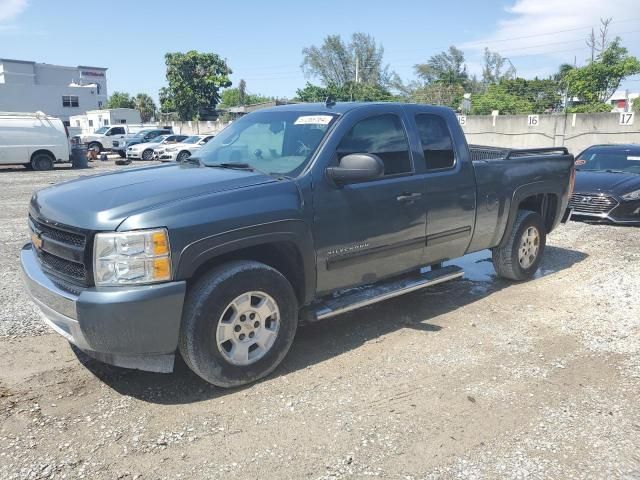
(361, 92)
(447, 68)
(498, 97)
(233, 97)
(594, 83)
(335, 62)
(493, 68)
(194, 81)
(518, 96)
(145, 105)
(120, 100)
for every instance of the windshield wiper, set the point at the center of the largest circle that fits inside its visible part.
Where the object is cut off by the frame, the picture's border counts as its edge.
(239, 166)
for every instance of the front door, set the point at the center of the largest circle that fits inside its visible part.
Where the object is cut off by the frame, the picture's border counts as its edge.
(370, 230)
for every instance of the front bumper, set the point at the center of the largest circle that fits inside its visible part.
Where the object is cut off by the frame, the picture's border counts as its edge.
(623, 212)
(134, 154)
(131, 327)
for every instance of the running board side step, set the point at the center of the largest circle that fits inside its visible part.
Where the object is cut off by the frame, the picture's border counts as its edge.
(363, 296)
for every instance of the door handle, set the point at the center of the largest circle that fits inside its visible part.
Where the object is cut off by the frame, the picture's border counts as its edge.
(408, 197)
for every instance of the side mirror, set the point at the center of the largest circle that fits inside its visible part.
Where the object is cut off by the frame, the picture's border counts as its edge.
(357, 167)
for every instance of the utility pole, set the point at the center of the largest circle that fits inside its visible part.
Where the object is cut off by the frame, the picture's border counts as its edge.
(357, 67)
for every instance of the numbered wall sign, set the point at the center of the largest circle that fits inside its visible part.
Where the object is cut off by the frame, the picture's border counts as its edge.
(533, 120)
(626, 118)
(462, 119)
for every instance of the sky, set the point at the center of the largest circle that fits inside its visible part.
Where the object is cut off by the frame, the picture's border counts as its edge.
(263, 41)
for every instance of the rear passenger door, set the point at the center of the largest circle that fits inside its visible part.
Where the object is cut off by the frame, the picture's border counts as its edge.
(450, 198)
(369, 230)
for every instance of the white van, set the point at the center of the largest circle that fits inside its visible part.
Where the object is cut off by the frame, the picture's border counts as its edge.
(32, 139)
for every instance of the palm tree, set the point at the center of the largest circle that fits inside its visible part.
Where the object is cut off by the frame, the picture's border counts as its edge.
(145, 105)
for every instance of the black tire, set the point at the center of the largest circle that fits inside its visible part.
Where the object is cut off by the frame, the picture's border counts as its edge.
(122, 154)
(95, 145)
(147, 155)
(182, 156)
(206, 303)
(507, 259)
(41, 162)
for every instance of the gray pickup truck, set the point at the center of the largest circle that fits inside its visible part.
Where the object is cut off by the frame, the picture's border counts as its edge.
(272, 224)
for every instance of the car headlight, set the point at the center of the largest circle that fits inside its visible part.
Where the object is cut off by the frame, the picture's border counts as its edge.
(635, 195)
(131, 258)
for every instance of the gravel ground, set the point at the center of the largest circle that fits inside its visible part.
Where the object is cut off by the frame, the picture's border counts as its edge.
(474, 379)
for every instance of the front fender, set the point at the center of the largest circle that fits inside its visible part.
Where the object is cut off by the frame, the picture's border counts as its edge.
(292, 231)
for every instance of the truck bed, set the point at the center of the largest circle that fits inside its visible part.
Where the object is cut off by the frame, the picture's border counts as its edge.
(506, 177)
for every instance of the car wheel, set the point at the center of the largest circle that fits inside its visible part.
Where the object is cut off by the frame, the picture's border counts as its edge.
(147, 154)
(41, 161)
(182, 156)
(95, 146)
(520, 257)
(122, 154)
(238, 323)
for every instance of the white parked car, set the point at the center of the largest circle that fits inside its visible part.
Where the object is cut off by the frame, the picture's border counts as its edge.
(145, 151)
(35, 140)
(182, 151)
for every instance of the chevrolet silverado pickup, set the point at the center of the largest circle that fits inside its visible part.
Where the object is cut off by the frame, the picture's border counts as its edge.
(275, 222)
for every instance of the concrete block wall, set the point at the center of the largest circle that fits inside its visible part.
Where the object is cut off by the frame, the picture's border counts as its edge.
(575, 131)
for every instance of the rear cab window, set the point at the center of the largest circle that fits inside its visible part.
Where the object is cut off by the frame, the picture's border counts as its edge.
(437, 144)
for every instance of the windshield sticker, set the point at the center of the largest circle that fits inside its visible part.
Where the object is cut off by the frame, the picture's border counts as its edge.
(313, 120)
(633, 158)
(580, 162)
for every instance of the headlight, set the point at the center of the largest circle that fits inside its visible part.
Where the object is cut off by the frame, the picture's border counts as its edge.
(635, 195)
(131, 258)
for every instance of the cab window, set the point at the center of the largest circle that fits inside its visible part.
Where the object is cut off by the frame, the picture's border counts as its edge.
(437, 144)
(381, 135)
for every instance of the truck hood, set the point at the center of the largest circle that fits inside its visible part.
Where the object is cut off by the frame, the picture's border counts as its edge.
(102, 202)
(606, 182)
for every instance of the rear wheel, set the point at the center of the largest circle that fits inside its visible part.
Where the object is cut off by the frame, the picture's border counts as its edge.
(520, 257)
(42, 161)
(238, 324)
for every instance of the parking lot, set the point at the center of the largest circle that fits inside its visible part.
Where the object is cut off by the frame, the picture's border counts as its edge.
(478, 378)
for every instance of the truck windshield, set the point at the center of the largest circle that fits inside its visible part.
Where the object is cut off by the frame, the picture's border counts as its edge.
(274, 142)
(102, 130)
(609, 160)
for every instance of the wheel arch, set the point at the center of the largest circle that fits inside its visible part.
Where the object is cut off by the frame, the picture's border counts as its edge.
(541, 197)
(43, 151)
(289, 252)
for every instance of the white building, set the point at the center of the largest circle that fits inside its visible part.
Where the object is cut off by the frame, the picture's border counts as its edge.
(94, 119)
(56, 90)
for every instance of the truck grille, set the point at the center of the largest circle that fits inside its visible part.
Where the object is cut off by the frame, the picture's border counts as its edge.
(63, 251)
(592, 204)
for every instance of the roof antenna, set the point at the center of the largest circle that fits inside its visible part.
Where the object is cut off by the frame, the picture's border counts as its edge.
(329, 102)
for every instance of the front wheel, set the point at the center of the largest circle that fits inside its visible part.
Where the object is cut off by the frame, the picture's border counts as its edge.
(519, 258)
(147, 154)
(238, 323)
(182, 156)
(122, 154)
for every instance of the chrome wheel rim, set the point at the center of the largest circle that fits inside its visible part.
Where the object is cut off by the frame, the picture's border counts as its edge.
(147, 155)
(529, 247)
(248, 328)
(183, 156)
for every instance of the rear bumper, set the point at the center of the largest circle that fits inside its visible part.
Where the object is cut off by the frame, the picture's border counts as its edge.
(131, 327)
